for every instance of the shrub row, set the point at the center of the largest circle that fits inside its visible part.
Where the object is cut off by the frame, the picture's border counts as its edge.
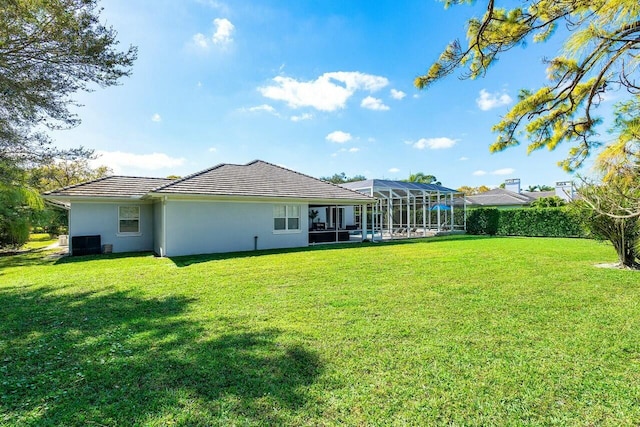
(545, 222)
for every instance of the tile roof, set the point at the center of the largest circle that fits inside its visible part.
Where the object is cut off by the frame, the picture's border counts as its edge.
(111, 187)
(257, 179)
(539, 194)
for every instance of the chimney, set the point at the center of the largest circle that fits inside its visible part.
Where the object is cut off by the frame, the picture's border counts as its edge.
(512, 185)
(565, 190)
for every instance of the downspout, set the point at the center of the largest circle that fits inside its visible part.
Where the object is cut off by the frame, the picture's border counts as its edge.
(164, 227)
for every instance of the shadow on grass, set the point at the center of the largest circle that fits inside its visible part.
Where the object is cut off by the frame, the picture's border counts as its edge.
(103, 257)
(26, 259)
(187, 260)
(114, 358)
(39, 258)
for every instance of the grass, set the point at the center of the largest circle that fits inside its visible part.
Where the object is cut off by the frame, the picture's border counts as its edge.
(38, 241)
(444, 331)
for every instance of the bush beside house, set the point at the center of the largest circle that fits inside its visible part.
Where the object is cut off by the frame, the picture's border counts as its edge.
(543, 222)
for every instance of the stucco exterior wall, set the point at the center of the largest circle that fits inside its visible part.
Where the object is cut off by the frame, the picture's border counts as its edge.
(91, 218)
(200, 227)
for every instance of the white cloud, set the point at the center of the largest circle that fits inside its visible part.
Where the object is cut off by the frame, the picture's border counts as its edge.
(394, 170)
(301, 117)
(222, 7)
(119, 161)
(264, 107)
(371, 139)
(213, 149)
(463, 158)
(487, 100)
(372, 103)
(200, 40)
(156, 118)
(339, 137)
(354, 150)
(223, 33)
(434, 143)
(397, 94)
(328, 92)
(505, 171)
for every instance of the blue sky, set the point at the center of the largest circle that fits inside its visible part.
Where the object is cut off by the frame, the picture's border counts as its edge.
(317, 86)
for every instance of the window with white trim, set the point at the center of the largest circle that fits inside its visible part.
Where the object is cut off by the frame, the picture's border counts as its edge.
(128, 219)
(286, 218)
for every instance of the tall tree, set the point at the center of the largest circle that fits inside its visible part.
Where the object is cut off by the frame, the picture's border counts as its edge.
(470, 191)
(423, 178)
(599, 56)
(341, 178)
(49, 50)
(63, 173)
(540, 187)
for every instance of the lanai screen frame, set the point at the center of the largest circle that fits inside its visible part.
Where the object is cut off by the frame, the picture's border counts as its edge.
(409, 198)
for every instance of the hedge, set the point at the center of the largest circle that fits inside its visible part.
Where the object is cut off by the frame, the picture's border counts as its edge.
(483, 221)
(534, 222)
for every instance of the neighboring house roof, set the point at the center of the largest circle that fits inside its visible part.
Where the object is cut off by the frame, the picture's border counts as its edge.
(499, 197)
(257, 179)
(110, 187)
(385, 184)
(539, 194)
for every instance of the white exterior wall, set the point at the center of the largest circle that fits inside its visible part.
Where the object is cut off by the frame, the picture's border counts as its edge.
(201, 227)
(92, 218)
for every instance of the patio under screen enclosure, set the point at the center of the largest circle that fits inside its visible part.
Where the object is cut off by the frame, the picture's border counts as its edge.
(401, 210)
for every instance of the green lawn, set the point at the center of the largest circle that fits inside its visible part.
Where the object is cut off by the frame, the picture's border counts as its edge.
(444, 331)
(39, 241)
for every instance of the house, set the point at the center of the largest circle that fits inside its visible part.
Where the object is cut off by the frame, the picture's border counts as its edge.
(511, 196)
(225, 208)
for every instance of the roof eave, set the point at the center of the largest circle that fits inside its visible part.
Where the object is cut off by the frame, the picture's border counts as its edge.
(70, 198)
(250, 198)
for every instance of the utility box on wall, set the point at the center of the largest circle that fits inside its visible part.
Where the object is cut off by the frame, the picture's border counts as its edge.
(85, 245)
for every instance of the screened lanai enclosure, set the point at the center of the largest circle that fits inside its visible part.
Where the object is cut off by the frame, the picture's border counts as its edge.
(409, 209)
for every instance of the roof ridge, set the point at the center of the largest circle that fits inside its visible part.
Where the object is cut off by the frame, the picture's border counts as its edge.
(303, 174)
(93, 181)
(176, 181)
(67, 187)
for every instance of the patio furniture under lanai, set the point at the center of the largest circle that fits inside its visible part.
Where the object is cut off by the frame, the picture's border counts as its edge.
(335, 223)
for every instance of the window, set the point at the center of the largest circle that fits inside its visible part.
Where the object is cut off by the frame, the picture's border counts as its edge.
(129, 219)
(286, 218)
